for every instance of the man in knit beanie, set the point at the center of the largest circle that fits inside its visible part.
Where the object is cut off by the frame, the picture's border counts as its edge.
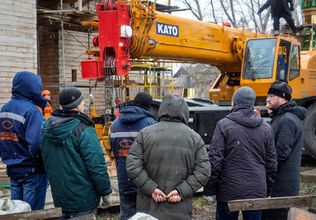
(133, 118)
(73, 158)
(242, 156)
(287, 123)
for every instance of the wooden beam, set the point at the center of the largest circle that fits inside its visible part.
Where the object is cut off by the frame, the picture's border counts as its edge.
(38, 214)
(271, 203)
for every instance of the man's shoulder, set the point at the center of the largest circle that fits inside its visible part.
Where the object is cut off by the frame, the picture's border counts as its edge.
(79, 128)
(20, 107)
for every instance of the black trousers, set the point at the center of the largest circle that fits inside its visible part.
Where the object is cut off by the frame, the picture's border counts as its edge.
(289, 20)
(274, 214)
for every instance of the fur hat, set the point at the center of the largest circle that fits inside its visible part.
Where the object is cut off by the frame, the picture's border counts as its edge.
(244, 96)
(281, 89)
(70, 98)
(143, 100)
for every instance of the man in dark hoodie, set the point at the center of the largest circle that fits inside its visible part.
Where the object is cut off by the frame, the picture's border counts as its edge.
(20, 127)
(287, 124)
(168, 163)
(280, 9)
(243, 157)
(124, 129)
(73, 158)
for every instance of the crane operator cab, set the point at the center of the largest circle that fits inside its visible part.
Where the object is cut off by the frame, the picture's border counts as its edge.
(267, 60)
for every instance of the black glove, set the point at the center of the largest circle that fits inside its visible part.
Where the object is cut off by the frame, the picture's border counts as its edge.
(259, 12)
(292, 8)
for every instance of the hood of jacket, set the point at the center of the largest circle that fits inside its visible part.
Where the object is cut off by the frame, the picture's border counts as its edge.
(132, 114)
(292, 107)
(246, 116)
(173, 108)
(28, 85)
(57, 129)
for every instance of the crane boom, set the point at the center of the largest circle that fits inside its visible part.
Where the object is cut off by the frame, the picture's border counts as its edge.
(137, 30)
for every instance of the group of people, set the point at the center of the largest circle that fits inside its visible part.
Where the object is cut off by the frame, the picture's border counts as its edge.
(160, 165)
(160, 162)
(253, 159)
(63, 149)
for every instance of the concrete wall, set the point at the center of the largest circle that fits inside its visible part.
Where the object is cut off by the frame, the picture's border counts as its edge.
(18, 42)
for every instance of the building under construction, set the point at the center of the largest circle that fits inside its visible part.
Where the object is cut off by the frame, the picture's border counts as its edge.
(47, 37)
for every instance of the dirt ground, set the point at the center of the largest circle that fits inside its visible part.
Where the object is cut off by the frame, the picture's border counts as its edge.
(202, 210)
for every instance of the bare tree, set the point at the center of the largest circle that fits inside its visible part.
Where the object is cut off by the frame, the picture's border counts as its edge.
(240, 13)
(213, 11)
(196, 11)
(230, 17)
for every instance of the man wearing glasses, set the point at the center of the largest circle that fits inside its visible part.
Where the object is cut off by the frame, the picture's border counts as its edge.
(287, 124)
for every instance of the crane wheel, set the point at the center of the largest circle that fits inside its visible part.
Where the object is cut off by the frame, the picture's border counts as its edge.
(310, 131)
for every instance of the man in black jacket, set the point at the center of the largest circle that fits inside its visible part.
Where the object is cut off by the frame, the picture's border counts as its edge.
(287, 125)
(280, 9)
(242, 156)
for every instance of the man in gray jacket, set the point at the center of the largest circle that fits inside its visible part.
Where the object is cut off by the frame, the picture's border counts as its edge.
(168, 162)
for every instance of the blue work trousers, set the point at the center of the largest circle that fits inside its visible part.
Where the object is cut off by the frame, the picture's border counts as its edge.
(30, 189)
(223, 213)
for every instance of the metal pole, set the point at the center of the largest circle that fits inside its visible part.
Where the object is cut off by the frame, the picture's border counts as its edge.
(62, 46)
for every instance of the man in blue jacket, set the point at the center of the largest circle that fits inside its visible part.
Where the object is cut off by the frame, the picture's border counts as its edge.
(20, 127)
(242, 156)
(124, 130)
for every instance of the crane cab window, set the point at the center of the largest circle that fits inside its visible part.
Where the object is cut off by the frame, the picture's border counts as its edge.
(259, 57)
(283, 60)
(295, 62)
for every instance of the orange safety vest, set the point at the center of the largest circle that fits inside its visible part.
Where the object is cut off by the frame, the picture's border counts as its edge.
(47, 111)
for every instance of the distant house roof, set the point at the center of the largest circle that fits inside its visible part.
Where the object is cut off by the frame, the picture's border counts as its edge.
(181, 72)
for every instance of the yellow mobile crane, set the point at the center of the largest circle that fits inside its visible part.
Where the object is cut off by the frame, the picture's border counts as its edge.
(134, 29)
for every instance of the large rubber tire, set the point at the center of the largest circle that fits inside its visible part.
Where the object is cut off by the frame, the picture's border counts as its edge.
(310, 131)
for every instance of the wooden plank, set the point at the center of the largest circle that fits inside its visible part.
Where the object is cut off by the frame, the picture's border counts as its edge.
(38, 214)
(271, 203)
(295, 213)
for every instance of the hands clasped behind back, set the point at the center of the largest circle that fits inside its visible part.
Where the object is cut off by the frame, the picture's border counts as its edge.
(159, 196)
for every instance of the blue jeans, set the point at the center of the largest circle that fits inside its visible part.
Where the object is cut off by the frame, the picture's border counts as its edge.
(30, 189)
(127, 206)
(223, 213)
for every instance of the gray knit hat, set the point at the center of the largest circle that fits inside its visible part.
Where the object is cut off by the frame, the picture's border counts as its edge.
(244, 96)
(70, 98)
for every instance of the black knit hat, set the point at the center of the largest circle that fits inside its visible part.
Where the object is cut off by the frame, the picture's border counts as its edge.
(281, 89)
(143, 100)
(70, 98)
(244, 96)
